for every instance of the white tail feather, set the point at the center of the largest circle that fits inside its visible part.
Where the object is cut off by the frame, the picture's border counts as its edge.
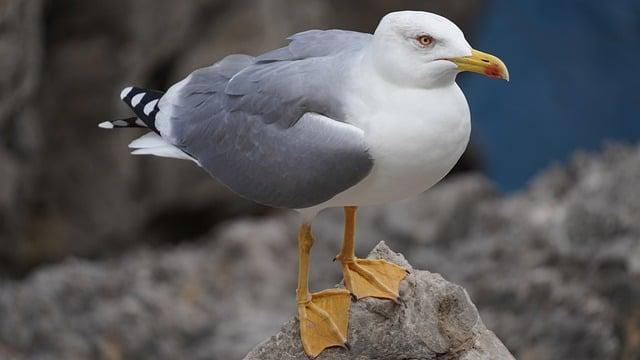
(106, 125)
(148, 140)
(152, 144)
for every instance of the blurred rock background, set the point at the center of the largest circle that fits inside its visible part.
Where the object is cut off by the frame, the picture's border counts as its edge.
(104, 255)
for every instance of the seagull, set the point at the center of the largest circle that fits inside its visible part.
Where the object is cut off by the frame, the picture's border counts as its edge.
(334, 119)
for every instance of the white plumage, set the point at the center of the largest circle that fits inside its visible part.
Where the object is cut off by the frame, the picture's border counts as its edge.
(125, 92)
(136, 99)
(150, 106)
(415, 135)
(152, 144)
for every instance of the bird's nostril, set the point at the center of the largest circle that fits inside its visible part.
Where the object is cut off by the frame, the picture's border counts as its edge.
(485, 60)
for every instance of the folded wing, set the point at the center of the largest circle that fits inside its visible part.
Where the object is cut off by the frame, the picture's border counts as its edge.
(273, 128)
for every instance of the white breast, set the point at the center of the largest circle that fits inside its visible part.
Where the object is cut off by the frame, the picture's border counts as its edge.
(416, 136)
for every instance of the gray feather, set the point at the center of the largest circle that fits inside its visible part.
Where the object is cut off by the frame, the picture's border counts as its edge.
(272, 128)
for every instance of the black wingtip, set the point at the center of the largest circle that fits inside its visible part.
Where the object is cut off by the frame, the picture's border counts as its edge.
(131, 122)
(144, 103)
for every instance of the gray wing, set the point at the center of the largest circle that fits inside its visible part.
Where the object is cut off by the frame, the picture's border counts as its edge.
(272, 128)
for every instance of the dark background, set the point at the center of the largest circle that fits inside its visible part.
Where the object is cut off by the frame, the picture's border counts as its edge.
(573, 84)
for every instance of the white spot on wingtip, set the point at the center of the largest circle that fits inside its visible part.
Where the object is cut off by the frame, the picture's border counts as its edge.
(136, 99)
(140, 123)
(125, 92)
(105, 125)
(150, 106)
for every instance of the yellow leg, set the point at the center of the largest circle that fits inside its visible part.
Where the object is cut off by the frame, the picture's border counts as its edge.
(324, 316)
(366, 277)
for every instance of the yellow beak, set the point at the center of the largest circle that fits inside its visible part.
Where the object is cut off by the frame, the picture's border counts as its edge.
(482, 63)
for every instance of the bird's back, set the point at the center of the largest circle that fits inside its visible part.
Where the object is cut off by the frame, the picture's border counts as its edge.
(271, 127)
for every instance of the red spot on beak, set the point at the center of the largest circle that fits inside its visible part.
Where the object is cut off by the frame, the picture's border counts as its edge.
(493, 71)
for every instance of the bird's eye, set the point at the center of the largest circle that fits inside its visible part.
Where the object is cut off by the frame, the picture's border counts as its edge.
(424, 40)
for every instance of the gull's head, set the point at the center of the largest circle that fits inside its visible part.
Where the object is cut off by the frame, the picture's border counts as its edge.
(416, 48)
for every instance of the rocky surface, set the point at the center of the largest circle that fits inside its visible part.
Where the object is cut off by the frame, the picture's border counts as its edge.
(554, 271)
(192, 302)
(66, 187)
(435, 319)
(216, 302)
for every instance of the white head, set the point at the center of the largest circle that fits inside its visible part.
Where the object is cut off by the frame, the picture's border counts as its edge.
(420, 49)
